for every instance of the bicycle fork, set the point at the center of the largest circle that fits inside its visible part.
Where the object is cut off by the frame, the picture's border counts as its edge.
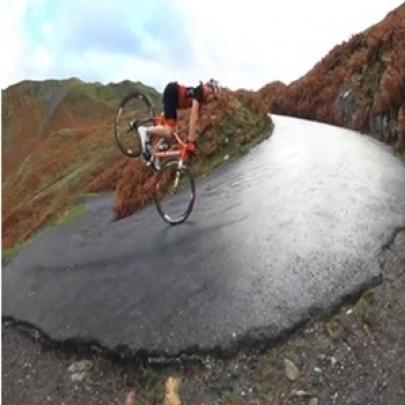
(183, 155)
(177, 179)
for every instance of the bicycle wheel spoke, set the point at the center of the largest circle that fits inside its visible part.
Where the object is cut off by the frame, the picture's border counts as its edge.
(175, 192)
(135, 108)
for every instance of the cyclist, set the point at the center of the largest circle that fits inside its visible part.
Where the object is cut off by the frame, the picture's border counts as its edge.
(178, 97)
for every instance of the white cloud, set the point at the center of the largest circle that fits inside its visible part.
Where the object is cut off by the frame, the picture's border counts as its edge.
(243, 44)
(248, 44)
(47, 30)
(42, 61)
(13, 42)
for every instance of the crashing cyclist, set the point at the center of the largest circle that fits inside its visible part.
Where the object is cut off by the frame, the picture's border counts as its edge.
(178, 97)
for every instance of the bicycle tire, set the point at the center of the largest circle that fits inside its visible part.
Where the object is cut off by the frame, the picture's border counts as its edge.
(163, 200)
(135, 109)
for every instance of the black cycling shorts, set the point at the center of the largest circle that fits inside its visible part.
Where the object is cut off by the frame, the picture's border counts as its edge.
(170, 101)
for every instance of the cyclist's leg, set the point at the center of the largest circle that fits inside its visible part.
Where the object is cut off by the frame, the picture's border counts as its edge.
(151, 135)
(164, 130)
(169, 117)
(167, 124)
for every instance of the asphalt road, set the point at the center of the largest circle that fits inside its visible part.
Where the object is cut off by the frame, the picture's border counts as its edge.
(284, 233)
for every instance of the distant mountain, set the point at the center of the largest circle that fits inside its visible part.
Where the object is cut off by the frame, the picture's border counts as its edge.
(33, 110)
(360, 84)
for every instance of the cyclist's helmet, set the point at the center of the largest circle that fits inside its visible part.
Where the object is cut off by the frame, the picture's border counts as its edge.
(214, 84)
(210, 87)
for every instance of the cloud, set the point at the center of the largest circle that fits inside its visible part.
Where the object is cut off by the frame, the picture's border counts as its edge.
(98, 26)
(243, 44)
(248, 44)
(168, 28)
(42, 59)
(71, 38)
(13, 40)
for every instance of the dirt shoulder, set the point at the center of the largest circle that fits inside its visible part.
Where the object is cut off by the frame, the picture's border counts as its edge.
(355, 356)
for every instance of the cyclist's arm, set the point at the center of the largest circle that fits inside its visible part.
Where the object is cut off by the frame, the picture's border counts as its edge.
(192, 135)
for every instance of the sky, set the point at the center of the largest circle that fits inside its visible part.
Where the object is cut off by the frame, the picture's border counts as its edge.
(243, 44)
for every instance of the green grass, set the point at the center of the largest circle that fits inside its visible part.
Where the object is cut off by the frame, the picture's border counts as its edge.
(72, 215)
(365, 308)
(60, 219)
(334, 328)
(237, 134)
(151, 385)
(110, 95)
(8, 254)
(230, 395)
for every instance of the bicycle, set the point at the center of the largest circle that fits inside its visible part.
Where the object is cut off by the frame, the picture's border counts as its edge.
(174, 193)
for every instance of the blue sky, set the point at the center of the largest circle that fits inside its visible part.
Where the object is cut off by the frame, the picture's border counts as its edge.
(243, 44)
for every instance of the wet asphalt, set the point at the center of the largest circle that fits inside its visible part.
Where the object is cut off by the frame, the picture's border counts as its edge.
(284, 233)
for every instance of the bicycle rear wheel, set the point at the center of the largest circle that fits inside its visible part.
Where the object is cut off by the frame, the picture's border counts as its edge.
(135, 109)
(174, 192)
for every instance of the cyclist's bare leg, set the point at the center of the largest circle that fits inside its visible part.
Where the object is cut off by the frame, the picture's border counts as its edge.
(162, 131)
(149, 135)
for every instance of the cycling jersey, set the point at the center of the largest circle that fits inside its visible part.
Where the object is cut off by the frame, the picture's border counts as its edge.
(179, 97)
(187, 94)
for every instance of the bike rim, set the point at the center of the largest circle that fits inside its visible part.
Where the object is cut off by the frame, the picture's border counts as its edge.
(174, 193)
(134, 108)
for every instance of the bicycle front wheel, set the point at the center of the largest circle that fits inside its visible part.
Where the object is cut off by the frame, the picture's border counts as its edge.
(135, 109)
(174, 192)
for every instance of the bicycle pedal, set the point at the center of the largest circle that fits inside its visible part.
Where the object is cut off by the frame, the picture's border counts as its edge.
(146, 159)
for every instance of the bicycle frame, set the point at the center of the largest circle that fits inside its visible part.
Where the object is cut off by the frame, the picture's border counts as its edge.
(181, 152)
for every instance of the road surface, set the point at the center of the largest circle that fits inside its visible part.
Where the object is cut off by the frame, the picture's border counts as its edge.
(284, 233)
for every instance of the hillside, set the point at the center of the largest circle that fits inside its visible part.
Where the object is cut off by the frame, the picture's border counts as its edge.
(56, 135)
(360, 84)
(58, 143)
(33, 111)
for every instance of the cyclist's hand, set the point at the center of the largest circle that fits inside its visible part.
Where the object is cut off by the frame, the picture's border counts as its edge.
(192, 149)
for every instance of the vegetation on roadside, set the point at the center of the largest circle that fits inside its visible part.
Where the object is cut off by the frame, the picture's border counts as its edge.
(8, 254)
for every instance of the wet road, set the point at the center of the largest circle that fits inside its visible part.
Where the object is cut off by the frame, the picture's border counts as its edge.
(285, 232)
